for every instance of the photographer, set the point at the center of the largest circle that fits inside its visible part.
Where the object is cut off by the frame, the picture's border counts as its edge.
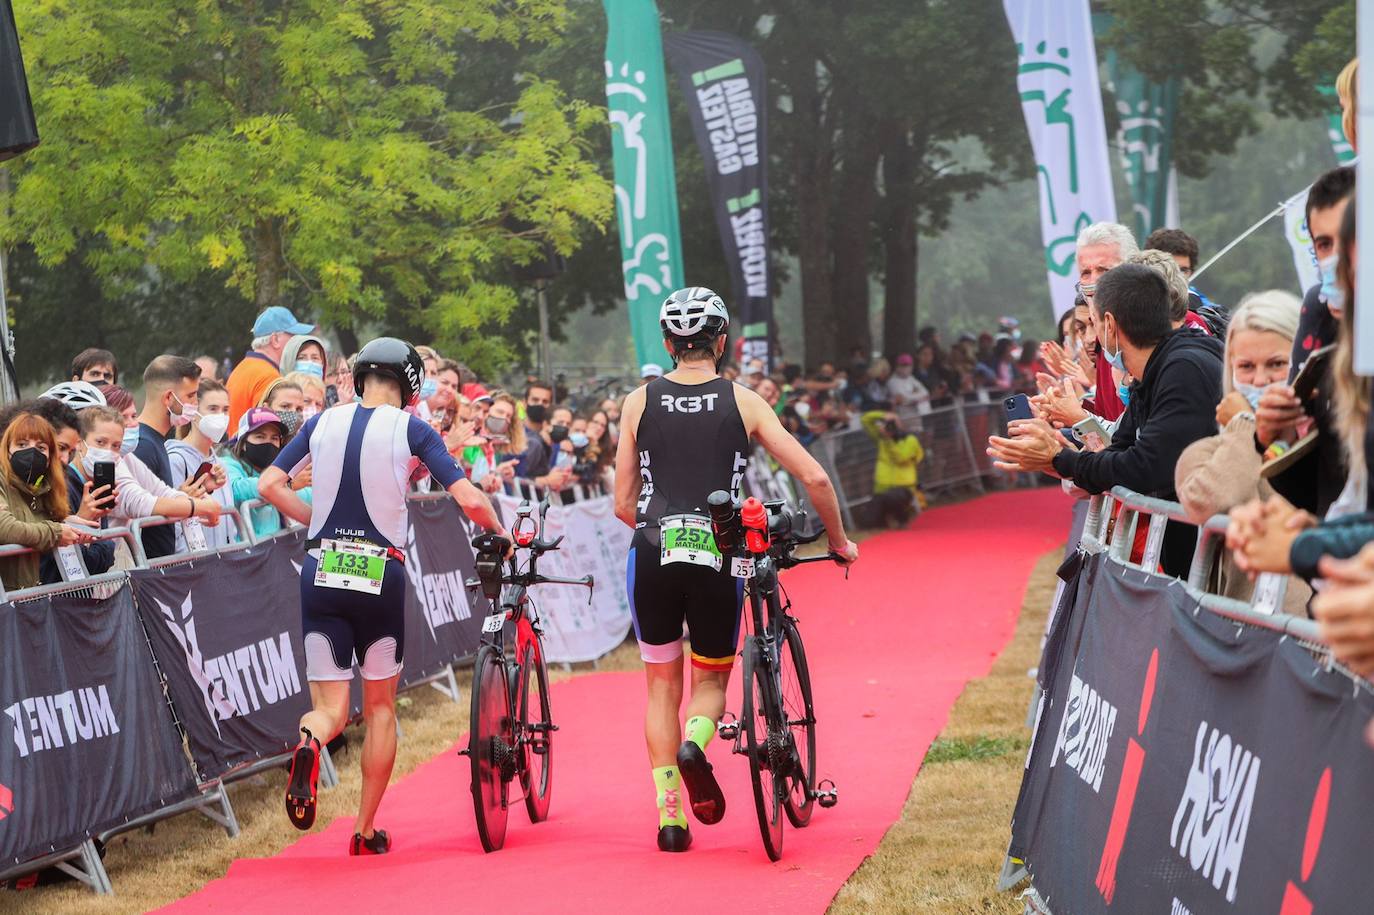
(894, 476)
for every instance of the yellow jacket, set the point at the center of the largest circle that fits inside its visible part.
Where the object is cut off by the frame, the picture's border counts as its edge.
(897, 457)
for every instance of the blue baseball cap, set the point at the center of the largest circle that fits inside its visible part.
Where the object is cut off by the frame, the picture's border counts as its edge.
(279, 320)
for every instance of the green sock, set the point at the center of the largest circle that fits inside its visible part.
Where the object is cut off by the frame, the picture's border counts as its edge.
(699, 730)
(669, 785)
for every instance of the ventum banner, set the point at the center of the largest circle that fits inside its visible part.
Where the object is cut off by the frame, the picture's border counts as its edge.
(726, 88)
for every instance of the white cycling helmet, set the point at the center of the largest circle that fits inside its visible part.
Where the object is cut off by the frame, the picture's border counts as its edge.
(693, 311)
(76, 394)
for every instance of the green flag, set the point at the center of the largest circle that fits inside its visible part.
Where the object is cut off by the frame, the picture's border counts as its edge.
(1144, 140)
(645, 185)
(1345, 153)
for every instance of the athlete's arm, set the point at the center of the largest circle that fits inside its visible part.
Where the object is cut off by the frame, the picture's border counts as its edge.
(477, 506)
(762, 424)
(627, 482)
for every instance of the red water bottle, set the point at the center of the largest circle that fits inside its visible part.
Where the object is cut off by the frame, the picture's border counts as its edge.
(755, 519)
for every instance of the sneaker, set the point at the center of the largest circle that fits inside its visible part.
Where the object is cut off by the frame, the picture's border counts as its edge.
(674, 838)
(379, 844)
(703, 791)
(302, 783)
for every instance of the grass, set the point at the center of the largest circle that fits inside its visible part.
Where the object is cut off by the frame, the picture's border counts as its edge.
(942, 856)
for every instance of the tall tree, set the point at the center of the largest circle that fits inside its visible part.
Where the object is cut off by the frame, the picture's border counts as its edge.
(302, 150)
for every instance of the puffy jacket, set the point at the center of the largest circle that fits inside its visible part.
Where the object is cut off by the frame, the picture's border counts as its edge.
(21, 523)
(897, 457)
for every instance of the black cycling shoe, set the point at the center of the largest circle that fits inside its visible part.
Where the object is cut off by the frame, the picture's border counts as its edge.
(379, 844)
(674, 838)
(302, 784)
(703, 791)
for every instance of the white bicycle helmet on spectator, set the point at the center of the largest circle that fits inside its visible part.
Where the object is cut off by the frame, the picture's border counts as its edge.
(76, 394)
(693, 312)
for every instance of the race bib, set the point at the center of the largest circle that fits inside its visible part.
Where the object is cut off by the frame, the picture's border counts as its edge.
(194, 534)
(742, 567)
(494, 622)
(73, 569)
(688, 538)
(351, 566)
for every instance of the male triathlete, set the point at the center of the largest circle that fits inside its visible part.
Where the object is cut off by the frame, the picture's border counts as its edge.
(353, 584)
(682, 437)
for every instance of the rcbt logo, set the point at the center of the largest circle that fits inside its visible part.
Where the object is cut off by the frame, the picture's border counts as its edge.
(693, 404)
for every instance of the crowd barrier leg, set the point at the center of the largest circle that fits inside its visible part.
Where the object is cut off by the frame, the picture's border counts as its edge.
(329, 776)
(81, 863)
(447, 684)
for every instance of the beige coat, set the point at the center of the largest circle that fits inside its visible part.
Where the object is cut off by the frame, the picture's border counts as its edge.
(20, 523)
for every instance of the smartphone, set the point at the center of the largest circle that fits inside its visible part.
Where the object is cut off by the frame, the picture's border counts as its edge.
(1018, 406)
(1093, 434)
(331, 395)
(103, 474)
(1311, 373)
(205, 468)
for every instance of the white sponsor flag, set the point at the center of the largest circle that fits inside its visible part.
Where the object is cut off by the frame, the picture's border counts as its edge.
(1300, 240)
(1057, 78)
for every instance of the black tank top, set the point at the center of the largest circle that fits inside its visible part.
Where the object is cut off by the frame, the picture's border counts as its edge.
(691, 442)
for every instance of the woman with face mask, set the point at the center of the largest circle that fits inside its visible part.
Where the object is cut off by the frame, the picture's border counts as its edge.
(287, 399)
(261, 436)
(33, 490)
(312, 393)
(1214, 475)
(501, 442)
(187, 455)
(304, 353)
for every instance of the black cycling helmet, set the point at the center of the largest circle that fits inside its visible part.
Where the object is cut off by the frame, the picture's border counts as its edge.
(391, 358)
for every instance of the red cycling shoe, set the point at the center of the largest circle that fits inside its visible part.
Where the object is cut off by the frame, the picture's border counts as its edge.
(379, 844)
(303, 782)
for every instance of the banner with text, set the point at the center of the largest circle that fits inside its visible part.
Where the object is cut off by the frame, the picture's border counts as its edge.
(1182, 763)
(575, 628)
(1300, 241)
(87, 741)
(1062, 104)
(726, 88)
(642, 157)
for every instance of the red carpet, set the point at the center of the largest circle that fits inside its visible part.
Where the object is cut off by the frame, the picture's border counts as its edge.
(925, 611)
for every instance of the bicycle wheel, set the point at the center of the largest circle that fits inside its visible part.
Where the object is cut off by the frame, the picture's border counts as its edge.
(536, 728)
(763, 735)
(801, 722)
(490, 747)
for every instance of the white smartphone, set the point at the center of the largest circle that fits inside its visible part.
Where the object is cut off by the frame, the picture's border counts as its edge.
(1092, 433)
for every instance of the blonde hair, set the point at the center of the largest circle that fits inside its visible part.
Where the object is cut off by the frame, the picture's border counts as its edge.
(1352, 391)
(1347, 90)
(516, 432)
(306, 382)
(1271, 311)
(1163, 263)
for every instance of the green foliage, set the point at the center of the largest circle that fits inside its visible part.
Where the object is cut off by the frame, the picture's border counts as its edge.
(315, 152)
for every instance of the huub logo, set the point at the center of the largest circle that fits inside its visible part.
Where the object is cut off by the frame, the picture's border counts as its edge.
(694, 404)
(1213, 814)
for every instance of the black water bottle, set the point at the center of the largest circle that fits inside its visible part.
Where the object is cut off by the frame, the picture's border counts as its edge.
(724, 521)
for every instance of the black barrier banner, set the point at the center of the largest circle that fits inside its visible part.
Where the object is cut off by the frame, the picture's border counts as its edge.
(227, 635)
(726, 88)
(1187, 764)
(87, 741)
(443, 618)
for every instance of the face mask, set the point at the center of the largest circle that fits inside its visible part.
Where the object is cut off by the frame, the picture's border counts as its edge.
(1124, 392)
(558, 433)
(310, 368)
(260, 454)
(95, 456)
(497, 425)
(428, 388)
(1331, 292)
(130, 441)
(187, 413)
(291, 419)
(579, 439)
(536, 413)
(29, 465)
(1116, 359)
(1252, 393)
(214, 426)
(308, 411)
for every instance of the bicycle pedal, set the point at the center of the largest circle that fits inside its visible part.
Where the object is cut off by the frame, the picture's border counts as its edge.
(466, 751)
(827, 797)
(728, 730)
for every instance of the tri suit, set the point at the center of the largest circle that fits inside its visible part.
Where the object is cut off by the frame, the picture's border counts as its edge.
(691, 442)
(362, 459)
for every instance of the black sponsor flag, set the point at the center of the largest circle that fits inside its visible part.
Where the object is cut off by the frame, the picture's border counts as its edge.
(1187, 764)
(227, 635)
(726, 88)
(87, 741)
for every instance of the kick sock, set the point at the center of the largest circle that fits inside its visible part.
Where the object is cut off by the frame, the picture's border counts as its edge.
(699, 730)
(669, 785)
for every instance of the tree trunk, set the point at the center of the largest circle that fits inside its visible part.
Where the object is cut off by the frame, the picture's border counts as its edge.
(813, 163)
(899, 245)
(267, 260)
(348, 339)
(855, 202)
